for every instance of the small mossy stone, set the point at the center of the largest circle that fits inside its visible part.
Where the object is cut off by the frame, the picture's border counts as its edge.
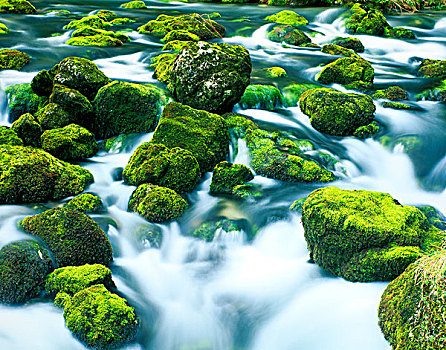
(17, 6)
(349, 43)
(366, 131)
(42, 83)
(292, 93)
(3, 29)
(121, 21)
(86, 203)
(73, 279)
(54, 116)
(95, 40)
(297, 205)
(287, 17)
(398, 33)
(226, 176)
(337, 50)
(21, 100)
(100, 319)
(89, 21)
(24, 266)
(134, 5)
(398, 105)
(432, 69)
(207, 231)
(266, 97)
(288, 34)
(276, 72)
(248, 191)
(73, 237)
(156, 203)
(181, 35)
(9, 137)
(106, 14)
(392, 93)
(28, 129)
(363, 20)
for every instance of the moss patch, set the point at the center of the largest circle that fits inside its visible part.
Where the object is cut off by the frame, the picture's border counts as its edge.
(288, 34)
(86, 203)
(266, 97)
(13, 59)
(28, 130)
(287, 17)
(226, 176)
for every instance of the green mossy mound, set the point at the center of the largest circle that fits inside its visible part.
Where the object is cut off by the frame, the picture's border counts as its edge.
(121, 21)
(28, 130)
(87, 31)
(288, 34)
(94, 40)
(86, 203)
(193, 23)
(226, 176)
(3, 29)
(397, 105)
(208, 230)
(175, 168)
(203, 134)
(31, 175)
(212, 77)
(412, 311)
(366, 131)
(349, 43)
(53, 116)
(287, 17)
(432, 69)
(276, 72)
(353, 72)
(123, 108)
(17, 6)
(247, 191)
(73, 279)
(70, 143)
(362, 235)
(337, 50)
(21, 100)
(106, 14)
(398, 33)
(292, 93)
(134, 5)
(100, 319)
(266, 97)
(89, 21)
(24, 266)
(337, 113)
(156, 203)
(9, 137)
(180, 35)
(73, 237)
(393, 93)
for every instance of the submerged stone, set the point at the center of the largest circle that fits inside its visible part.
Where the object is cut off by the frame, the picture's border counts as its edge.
(292, 93)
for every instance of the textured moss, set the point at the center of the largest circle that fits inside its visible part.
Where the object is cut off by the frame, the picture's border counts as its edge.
(393, 93)
(204, 134)
(352, 72)
(366, 131)
(397, 105)
(86, 203)
(152, 163)
(248, 191)
(310, 45)
(287, 17)
(54, 116)
(94, 40)
(28, 130)
(42, 83)
(31, 175)
(90, 21)
(262, 97)
(193, 23)
(363, 235)
(432, 69)
(163, 66)
(181, 35)
(87, 31)
(276, 72)
(106, 14)
(16, 6)
(292, 93)
(336, 113)
(9, 137)
(73, 237)
(122, 107)
(100, 319)
(437, 93)
(337, 50)
(226, 176)
(435, 217)
(3, 29)
(212, 77)
(297, 205)
(349, 43)
(73, 279)
(288, 34)
(21, 100)
(398, 33)
(134, 5)
(277, 2)
(207, 230)
(24, 266)
(121, 21)
(156, 203)
(70, 143)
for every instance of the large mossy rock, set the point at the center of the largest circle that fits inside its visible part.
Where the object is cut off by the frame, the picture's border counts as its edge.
(73, 103)
(100, 319)
(152, 163)
(21, 100)
(212, 77)
(28, 129)
(134, 5)
(203, 134)
(432, 69)
(17, 6)
(364, 236)
(226, 176)
(287, 17)
(24, 266)
(288, 34)
(412, 311)
(70, 143)
(337, 113)
(353, 72)
(156, 203)
(13, 59)
(73, 237)
(31, 175)
(123, 108)
(193, 23)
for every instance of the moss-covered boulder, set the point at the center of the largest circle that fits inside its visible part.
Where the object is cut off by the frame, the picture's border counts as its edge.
(337, 113)
(82, 75)
(432, 69)
(134, 5)
(354, 73)
(181, 35)
(94, 40)
(276, 72)
(349, 43)
(3, 29)
(28, 129)
(89, 21)
(437, 93)
(17, 6)
(24, 266)
(193, 23)
(287, 17)
(174, 168)
(31, 175)
(202, 133)
(42, 83)
(266, 97)
(288, 34)
(212, 77)
(163, 66)
(73, 237)
(87, 31)
(156, 203)
(73, 279)
(70, 143)
(337, 50)
(226, 176)
(123, 108)
(399, 33)
(9, 137)
(393, 93)
(100, 319)
(21, 100)
(292, 93)
(86, 203)
(54, 116)
(364, 236)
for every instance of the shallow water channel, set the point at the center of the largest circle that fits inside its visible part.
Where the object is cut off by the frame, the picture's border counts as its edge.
(230, 293)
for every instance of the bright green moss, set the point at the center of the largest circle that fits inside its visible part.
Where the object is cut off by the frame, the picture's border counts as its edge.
(121, 21)
(351, 233)
(398, 33)
(86, 203)
(435, 217)
(336, 113)
(175, 168)
(366, 131)
(9, 137)
(24, 266)
(73, 237)
(432, 69)
(54, 116)
(73, 279)
(28, 130)
(13, 59)
(337, 50)
(90, 21)
(266, 97)
(181, 35)
(156, 203)
(94, 40)
(163, 65)
(288, 34)
(248, 191)
(106, 14)
(21, 100)
(397, 105)
(239, 125)
(287, 17)
(277, 3)
(292, 93)
(349, 43)
(134, 5)
(276, 72)
(87, 31)
(100, 319)
(16, 6)
(393, 93)
(3, 29)
(31, 175)
(226, 176)
(297, 205)
(175, 45)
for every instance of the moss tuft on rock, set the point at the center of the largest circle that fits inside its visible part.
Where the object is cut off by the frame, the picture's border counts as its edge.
(226, 176)
(89, 21)
(366, 131)
(17, 6)
(181, 35)
(3, 29)
(134, 5)
(86, 203)
(266, 97)
(432, 69)
(337, 50)
(276, 72)
(54, 116)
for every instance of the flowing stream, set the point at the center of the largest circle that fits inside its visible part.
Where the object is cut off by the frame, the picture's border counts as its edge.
(230, 293)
